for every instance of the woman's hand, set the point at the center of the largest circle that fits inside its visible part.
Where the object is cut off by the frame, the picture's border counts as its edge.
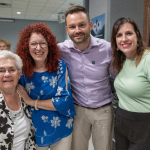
(44, 104)
(25, 96)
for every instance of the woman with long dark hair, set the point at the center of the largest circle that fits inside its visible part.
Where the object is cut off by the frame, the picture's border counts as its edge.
(131, 61)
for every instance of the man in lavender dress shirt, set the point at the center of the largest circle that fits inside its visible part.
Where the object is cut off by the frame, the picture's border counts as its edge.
(88, 60)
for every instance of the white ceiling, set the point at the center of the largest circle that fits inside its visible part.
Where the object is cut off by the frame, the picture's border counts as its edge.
(36, 9)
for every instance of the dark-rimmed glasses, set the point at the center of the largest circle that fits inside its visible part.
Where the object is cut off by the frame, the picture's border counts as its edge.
(42, 44)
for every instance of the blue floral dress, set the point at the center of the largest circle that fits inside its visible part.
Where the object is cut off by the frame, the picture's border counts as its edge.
(51, 126)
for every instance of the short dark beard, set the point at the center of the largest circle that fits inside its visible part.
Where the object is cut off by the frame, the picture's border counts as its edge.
(86, 36)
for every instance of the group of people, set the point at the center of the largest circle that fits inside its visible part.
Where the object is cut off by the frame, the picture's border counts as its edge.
(58, 95)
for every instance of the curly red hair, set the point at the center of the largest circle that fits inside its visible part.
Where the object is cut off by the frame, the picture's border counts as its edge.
(22, 48)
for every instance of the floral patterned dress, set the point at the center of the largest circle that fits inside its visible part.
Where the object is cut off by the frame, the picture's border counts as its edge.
(51, 126)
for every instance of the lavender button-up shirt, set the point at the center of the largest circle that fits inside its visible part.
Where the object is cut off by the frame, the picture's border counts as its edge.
(89, 72)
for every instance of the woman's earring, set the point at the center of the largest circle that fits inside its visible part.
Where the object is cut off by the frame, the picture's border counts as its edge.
(117, 49)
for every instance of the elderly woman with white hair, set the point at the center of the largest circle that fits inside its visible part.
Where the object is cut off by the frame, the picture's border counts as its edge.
(16, 128)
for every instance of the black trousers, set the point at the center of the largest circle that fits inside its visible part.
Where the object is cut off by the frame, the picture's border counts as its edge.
(132, 130)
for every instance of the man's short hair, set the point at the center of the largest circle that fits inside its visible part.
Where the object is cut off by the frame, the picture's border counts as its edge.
(76, 9)
(6, 43)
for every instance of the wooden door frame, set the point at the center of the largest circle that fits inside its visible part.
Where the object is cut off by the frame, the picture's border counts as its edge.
(146, 23)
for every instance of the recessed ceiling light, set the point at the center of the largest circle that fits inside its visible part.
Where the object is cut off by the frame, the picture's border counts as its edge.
(71, 4)
(18, 13)
(8, 20)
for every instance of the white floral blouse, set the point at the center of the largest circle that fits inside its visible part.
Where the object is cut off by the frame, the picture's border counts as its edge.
(7, 127)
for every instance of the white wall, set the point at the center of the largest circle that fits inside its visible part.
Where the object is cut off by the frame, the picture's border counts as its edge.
(66, 35)
(127, 8)
(115, 9)
(10, 31)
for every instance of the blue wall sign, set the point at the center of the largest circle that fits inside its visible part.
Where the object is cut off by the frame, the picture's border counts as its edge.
(98, 26)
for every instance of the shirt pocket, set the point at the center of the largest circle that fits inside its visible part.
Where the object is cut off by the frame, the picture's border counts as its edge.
(96, 71)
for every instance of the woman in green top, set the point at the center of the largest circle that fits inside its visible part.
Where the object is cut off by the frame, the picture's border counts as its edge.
(132, 63)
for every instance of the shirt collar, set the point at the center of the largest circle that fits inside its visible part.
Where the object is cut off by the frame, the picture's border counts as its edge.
(93, 43)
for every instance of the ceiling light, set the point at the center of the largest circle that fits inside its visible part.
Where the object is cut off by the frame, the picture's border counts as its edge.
(5, 5)
(7, 20)
(18, 13)
(71, 4)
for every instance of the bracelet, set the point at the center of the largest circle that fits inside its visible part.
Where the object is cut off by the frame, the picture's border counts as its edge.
(36, 104)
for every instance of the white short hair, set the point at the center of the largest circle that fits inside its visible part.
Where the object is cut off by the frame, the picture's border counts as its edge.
(5, 54)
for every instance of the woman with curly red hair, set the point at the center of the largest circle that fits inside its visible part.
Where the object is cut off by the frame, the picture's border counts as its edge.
(46, 80)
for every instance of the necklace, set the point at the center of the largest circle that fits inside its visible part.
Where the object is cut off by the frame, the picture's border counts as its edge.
(132, 58)
(16, 115)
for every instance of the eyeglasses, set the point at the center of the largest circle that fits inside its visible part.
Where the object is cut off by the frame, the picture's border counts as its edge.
(10, 71)
(42, 44)
(4, 46)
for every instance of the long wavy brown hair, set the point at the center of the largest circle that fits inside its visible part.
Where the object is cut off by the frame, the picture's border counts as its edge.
(118, 56)
(22, 48)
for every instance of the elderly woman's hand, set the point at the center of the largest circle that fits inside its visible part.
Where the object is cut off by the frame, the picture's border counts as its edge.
(25, 96)
(44, 104)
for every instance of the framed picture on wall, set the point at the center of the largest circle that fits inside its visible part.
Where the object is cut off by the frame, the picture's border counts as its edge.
(98, 26)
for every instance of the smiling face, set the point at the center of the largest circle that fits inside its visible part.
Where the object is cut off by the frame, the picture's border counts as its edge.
(9, 75)
(3, 46)
(126, 40)
(78, 27)
(39, 53)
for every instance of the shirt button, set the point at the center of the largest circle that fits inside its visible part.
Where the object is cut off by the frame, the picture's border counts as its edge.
(86, 87)
(83, 64)
(84, 76)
